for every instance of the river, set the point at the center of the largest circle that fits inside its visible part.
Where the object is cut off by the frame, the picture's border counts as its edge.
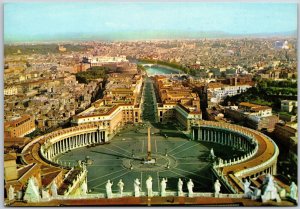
(159, 69)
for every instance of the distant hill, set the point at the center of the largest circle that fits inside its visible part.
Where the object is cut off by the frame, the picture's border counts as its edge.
(143, 35)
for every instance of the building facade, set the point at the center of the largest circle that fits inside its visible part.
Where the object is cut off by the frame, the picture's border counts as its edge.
(19, 127)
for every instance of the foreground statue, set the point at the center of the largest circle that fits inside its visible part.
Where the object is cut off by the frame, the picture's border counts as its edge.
(217, 187)
(269, 190)
(45, 195)
(212, 154)
(179, 185)
(163, 185)
(149, 186)
(84, 188)
(293, 191)
(108, 189)
(11, 193)
(54, 189)
(190, 186)
(121, 187)
(32, 193)
(247, 191)
(137, 187)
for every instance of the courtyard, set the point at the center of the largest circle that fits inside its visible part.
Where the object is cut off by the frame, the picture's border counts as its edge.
(122, 158)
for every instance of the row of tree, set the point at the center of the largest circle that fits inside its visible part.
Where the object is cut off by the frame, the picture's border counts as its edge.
(91, 74)
(280, 84)
(41, 48)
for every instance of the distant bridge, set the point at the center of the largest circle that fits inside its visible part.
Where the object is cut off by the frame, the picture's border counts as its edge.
(169, 75)
(147, 65)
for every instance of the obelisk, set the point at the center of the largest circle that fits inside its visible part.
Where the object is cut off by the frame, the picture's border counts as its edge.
(149, 146)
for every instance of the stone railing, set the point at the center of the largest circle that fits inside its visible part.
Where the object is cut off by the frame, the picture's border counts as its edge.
(76, 182)
(224, 180)
(144, 194)
(237, 160)
(270, 161)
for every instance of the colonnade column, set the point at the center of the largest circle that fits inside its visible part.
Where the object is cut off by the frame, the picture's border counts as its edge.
(85, 142)
(274, 169)
(93, 137)
(67, 144)
(71, 142)
(55, 151)
(193, 134)
(64, 145)
(207, 135)
(49, 153)
(61, 146)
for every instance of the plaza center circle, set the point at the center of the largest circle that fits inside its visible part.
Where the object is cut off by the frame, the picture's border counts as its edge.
(123, 158)
(160, 162)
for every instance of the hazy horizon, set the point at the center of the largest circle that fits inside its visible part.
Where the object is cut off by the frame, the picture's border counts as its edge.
(103, 21)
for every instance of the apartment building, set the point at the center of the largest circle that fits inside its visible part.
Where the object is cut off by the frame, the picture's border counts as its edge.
(176, 101)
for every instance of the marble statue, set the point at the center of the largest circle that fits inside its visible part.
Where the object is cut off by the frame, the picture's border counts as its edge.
(45, 195)
(121, 187)
(256, 193)
(179, 185)
(293, 191)
(247, 191)
(54, 189)
(190, 186)
(163, 185)
(217, 187)
(19, 195)
(149, 186)
(137, 187)
(11, 193)
(32, 193)
(212, 153)
(83, 165)
(84, 188)
(269, 190)
(108, 189)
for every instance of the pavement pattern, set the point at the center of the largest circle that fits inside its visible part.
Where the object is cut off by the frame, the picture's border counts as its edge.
(177, 157)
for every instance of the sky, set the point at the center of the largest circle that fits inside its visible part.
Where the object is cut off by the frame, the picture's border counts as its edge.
(153, 20)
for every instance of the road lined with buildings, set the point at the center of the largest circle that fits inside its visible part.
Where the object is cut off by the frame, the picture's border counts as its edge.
(149, 109)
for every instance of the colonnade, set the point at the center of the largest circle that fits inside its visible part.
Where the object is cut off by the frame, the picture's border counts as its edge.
(224, 137)
(242, 139)
(73, 142)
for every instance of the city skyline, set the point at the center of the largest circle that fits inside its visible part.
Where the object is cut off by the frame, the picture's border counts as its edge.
(141, 21)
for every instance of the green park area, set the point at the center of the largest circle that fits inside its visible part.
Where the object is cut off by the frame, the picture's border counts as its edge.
(90, 74)
(267, 92)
